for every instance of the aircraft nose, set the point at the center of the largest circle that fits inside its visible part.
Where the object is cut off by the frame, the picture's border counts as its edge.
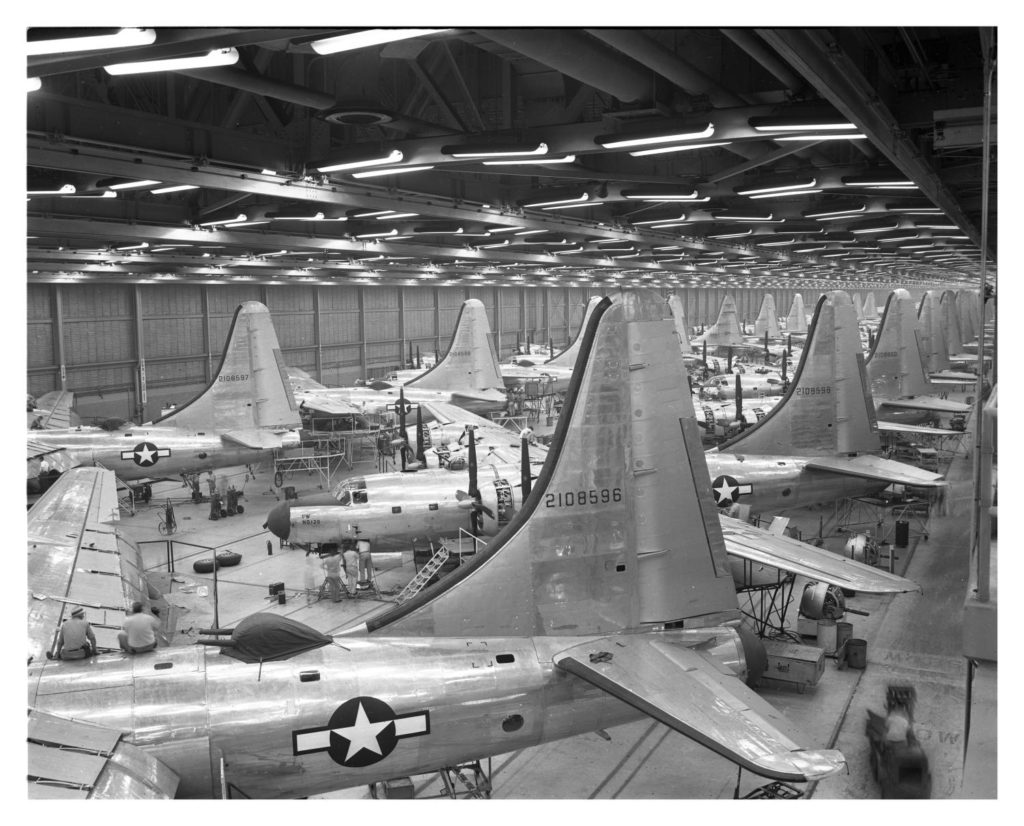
(279, 521)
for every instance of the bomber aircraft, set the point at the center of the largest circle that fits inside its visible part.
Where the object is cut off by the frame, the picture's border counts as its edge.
(598, 604)
(901, 392)
(818, 443)
(246, 412)
(467, 376)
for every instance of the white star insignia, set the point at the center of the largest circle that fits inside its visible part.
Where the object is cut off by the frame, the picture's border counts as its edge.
(362, 734)
(724, 491)
(145, 455)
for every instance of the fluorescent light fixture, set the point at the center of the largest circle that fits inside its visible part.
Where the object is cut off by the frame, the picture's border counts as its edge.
(820, 137)
(579, 199)
(386, 234)
(836, 211)
(214, 58)
(451, 230)
(504, 243)
(876, 226)
(788, 242)
(380, 173)
(661, 150)
(898, 236)
(782, 123)
(520, 161)
(572, 206)
(786, 194)
(168, 189)
(393, 156)
(241, 217)
(878, 181)
(64, 189)
(682, 217)
(130, 185)
(788, 186)
(123, 38)
(33, 84)
(809, 249)
(391, 216)
(476, 152)
(366, 38)
(732, 234)
(682, 133)
(663, 196)
(934, 225)
(496, 230)
(739, 216)
(531, 232)
(140, 246)
(668, 224)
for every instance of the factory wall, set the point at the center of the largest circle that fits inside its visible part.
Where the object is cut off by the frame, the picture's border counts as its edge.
(129, 350)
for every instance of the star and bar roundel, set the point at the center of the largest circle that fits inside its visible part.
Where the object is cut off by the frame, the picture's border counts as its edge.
(146, 454)
(361, 732)
(727, 490)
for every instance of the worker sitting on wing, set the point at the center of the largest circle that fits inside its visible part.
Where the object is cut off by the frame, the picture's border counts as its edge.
(141, 631)
(76, 641)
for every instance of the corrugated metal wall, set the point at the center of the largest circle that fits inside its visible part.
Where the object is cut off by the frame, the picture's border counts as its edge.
(98, 333)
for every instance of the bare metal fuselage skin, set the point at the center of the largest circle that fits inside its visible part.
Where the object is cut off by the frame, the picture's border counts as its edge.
(456, 699)
(782, 482)
(149, 452)
(370, 401)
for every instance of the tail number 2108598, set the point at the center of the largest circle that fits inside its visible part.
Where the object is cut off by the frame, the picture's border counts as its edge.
(572, 498)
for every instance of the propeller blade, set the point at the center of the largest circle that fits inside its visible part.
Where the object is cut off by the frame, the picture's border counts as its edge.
(524, 464)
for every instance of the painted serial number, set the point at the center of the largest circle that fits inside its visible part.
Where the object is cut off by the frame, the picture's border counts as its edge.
(309, 520)
(583, 497)
(234, 377)
(813, 391)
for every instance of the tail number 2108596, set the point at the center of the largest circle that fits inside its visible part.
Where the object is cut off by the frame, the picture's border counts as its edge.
(572, 498)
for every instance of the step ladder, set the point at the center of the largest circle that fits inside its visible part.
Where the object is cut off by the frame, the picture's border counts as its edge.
(424, 575)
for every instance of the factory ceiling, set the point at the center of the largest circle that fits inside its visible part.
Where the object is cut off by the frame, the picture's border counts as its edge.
(667, 157)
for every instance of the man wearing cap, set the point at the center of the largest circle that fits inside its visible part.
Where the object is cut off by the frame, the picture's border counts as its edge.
(140, 631)
(76, 641)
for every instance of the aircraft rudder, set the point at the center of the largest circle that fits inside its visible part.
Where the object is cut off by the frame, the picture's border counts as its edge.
(471, 362)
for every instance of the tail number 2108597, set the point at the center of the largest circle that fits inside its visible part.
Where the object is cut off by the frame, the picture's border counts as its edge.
(572, 498)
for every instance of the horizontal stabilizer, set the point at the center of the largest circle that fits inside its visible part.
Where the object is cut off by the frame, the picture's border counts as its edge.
(875, 467)
(951, 377)
(318, 403)
(758, 546)
(74, 760)
(927, 403)
(917, 429)
(301, 380)
(689, 693)
(254, 439)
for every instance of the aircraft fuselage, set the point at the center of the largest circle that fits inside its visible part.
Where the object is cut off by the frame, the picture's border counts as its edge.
(353, 712)
(771, 483)
(371, 401)
(152, 451)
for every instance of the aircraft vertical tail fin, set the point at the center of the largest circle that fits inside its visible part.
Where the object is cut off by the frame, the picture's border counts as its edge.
(567, 358)
(470, 363)
(895, 366)
(767, 318)
(858, 306)
(967, 307)
(250, 390)
(828, 408)
(619, 530)
(951, 323)
(933, 341)
(675, 304)
(796, 321)
(725, 332)
(870, 308)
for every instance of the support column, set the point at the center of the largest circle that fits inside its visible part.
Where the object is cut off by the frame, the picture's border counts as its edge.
(204, 297)
(57, 332)
(140, 354)
(318, 354)
(362, 333)
(401, 328)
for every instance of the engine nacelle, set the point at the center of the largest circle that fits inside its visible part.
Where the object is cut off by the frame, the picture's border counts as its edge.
(500, 501)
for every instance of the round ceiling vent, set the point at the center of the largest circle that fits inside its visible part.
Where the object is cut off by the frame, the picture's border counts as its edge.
(356, 116)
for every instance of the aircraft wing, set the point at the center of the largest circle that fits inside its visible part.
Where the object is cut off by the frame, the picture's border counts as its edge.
(927, 403)
(951, 377)
(875, 467)
(691, 694)
(917, 429)
(761, 547)
(74, 760)
(42, 457)
(321, 403)
(76, 558)
(254, 439)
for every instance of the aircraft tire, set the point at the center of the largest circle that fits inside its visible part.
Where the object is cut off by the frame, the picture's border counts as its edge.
(278, 479)
(205, 566)
(226, 559)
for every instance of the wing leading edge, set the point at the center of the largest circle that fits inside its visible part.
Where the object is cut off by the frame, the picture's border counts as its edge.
(687, 692)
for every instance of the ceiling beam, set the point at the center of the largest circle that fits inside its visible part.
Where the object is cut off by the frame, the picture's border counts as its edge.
(819, 58)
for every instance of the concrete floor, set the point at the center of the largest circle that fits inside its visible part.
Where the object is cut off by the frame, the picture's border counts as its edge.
(913, 637)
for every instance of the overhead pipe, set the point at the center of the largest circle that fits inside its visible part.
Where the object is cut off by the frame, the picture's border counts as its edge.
(578, 57)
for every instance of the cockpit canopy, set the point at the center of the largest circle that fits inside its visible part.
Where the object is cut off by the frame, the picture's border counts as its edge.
(351, 492)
